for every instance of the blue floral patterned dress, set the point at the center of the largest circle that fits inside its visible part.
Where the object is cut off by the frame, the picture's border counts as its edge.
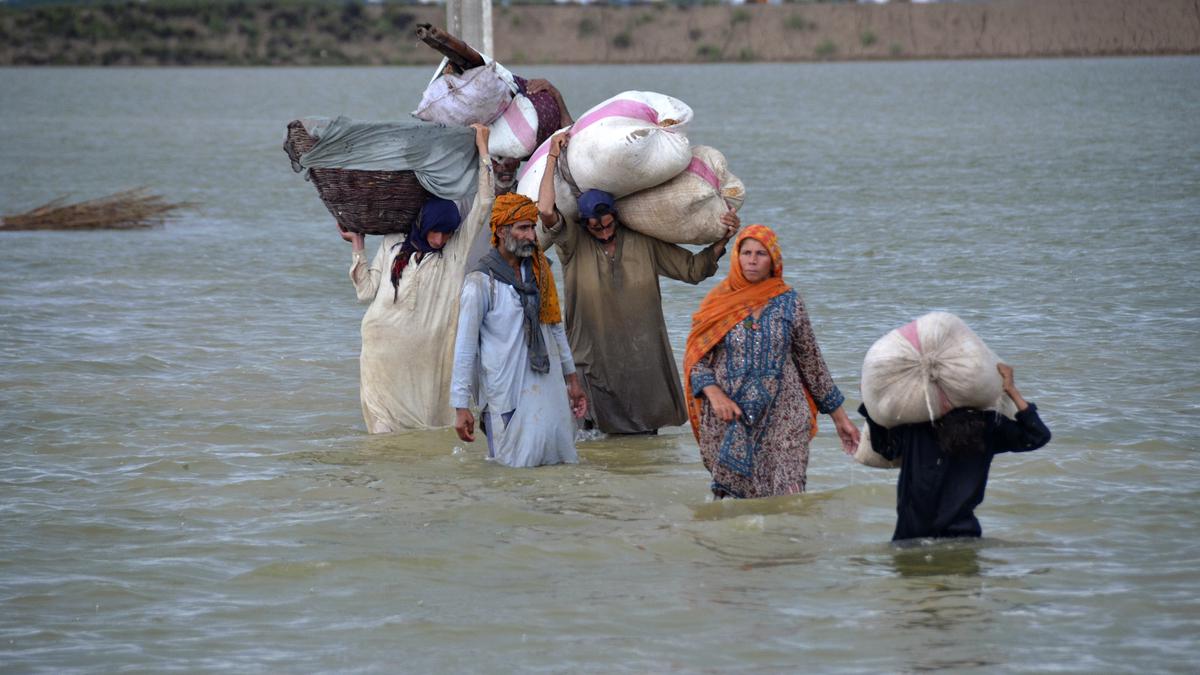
(765, 366)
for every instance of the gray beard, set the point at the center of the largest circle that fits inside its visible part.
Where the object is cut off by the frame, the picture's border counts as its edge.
(521, 249)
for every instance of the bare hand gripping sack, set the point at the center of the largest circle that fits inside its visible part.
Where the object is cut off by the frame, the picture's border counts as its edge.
(686, 209)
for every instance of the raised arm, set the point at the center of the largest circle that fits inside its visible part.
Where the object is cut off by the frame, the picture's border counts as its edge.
(534, 86)
(485, 195)
(547, 211)
(1028, 432)
(550, 221)
(1009, 384)
(364, 276)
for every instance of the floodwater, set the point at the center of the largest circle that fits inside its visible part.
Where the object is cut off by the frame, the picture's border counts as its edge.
(185, 484)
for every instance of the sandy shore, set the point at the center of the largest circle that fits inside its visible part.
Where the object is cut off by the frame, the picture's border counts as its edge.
(1017, 28)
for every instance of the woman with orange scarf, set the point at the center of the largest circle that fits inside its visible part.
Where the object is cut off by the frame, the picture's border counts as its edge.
(757, 378)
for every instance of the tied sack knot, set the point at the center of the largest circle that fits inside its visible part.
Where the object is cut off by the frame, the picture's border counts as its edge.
(930, 368)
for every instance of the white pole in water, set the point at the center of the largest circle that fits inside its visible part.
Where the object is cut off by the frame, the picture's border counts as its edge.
(471, 22)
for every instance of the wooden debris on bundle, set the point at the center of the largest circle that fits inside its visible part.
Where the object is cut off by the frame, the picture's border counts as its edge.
(127, 210)
(460, 54)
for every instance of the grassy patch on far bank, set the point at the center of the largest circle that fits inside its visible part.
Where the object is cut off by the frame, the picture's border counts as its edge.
(189, 32)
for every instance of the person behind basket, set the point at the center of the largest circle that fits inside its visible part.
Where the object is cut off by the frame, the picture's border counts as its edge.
(504, 171)
(511, 342)
(552, 115)
(756, 377)
(614, 306)
(413, 284)
(944, 464)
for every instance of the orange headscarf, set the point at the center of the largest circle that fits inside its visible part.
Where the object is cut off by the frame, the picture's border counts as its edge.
(512, 208)
(726, 306)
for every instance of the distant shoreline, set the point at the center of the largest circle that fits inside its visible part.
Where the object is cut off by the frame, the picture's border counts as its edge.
(314, 34)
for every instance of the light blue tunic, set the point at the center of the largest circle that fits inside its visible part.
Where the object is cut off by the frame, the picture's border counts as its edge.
(527, 415)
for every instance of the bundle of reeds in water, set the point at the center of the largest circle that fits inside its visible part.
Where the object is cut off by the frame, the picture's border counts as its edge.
(127, 210)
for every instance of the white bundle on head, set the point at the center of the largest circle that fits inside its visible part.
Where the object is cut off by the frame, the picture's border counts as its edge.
(928, 367)
(630, 142)
(478, 95)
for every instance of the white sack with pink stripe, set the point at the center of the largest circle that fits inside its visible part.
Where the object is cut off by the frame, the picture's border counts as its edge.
(632, 141)
(926, 368)
(686, 209)
(514, 133)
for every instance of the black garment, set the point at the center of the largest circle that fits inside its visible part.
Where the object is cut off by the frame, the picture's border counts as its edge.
(937, 493)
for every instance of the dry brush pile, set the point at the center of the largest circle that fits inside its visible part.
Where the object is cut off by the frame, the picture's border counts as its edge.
(127, 210)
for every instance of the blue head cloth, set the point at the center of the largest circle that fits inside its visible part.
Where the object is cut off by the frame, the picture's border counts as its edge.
(589, 200)
(438, 215)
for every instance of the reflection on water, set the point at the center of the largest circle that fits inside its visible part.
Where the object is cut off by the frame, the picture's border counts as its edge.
(186, 484)
(929, 558)
(946, 602)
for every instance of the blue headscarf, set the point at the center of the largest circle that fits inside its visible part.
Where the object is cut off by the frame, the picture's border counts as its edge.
(588, 201)
(437, 215)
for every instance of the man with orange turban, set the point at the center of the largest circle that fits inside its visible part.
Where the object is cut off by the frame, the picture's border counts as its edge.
(511, 354)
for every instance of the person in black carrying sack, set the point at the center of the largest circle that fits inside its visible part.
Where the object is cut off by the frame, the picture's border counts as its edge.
(944, 464)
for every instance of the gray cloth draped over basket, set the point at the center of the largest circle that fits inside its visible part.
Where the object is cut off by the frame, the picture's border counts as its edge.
(374, 176)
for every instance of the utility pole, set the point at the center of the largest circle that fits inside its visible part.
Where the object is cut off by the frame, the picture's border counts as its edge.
(471, 22)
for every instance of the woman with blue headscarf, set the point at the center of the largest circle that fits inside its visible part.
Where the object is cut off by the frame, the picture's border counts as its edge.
(413, 284)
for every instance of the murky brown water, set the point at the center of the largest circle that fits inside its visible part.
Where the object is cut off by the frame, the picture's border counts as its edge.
(185, 485)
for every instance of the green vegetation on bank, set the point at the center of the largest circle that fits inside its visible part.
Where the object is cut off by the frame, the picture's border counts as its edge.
(191, 32)
(276, 32)
(355, 32)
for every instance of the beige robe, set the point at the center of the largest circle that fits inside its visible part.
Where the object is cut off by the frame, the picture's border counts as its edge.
(408, 344)
(613, 312)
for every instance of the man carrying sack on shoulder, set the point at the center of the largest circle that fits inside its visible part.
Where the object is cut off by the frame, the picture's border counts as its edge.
(614, 306)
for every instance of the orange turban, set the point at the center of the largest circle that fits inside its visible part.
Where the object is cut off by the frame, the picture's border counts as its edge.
(512, 208)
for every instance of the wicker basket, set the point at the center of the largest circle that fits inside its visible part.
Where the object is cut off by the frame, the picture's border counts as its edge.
(370, 202)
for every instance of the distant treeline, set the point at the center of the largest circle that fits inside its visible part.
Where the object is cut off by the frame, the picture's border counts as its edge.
(340, 32)
(191, 32)
(233, 32)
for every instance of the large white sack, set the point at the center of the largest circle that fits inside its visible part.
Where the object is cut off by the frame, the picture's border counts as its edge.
(478, 95)
(514, 133)
(686, 209)
(630, 142)
(928, 367)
